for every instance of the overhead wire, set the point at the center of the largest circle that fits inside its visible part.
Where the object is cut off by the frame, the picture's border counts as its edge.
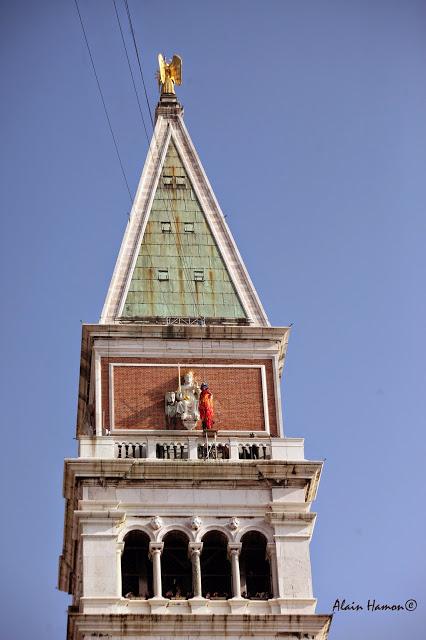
(186, 267)
(102, 96)
(167, 200)
(138, 57)
(131, 71)
(103, 101)
(129, 17)
(139, 107)
(144, 125)
(149, 256)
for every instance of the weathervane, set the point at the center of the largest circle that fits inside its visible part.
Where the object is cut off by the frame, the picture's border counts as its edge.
(169, 74)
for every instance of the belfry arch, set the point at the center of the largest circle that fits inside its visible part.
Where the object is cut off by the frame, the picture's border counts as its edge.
(215, 566)
(136, 568)
(255, 568)
(176, 568)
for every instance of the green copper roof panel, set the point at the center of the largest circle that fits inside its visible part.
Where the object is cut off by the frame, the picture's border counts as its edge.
(179, 270)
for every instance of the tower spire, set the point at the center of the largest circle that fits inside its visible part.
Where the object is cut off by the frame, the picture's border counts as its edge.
(178, 259)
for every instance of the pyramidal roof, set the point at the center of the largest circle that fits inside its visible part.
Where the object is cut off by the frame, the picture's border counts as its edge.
(178, 259)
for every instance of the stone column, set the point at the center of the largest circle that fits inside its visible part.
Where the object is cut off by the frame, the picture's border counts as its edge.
(233, 449)
(155, 550)
(271, 553)
(194, 552)
(193, 448)
(234, 552)
(119, 553)
(150, 448)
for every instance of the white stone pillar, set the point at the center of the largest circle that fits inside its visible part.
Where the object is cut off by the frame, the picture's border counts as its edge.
(151, 448)
(155, 551)
(194, 550)
(233, 449)
(234, 552)
(293, 565)
(193, 448)
(119, 552)
(271, 553)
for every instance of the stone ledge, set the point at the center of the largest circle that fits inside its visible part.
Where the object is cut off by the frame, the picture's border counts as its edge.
(192, 627)
(197, 606)
(276, 473)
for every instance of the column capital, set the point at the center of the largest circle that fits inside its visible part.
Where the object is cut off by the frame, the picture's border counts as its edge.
(120, 547)
(271, 550)
(234, 549)
(195, 547)
(155, 547)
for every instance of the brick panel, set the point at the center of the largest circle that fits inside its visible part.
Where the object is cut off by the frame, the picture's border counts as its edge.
(139, 393)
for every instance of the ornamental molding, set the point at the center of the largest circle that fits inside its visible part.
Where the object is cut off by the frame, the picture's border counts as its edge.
(234, 523)
(135, 527)
(239, 625)
(155, 547)
(156, 523)
(234, 548)
(269, 472)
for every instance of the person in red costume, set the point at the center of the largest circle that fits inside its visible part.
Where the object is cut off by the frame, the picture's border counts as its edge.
(205, 407)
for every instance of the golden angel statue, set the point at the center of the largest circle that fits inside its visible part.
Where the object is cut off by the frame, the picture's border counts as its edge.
(169, 74)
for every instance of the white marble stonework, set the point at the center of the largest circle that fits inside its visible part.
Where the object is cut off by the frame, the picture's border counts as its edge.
(132, 508)
(154, 496)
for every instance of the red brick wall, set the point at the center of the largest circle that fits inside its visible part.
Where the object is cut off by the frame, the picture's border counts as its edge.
(237, 391)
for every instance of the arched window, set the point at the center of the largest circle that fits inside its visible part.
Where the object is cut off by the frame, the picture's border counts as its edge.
(215, 566)
(136, 567)
(255, 569)
(176, 568)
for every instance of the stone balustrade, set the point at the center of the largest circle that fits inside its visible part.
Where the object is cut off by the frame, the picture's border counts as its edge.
(193, 446)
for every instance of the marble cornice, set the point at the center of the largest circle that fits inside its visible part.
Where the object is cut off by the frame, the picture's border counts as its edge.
(182, 473)
(176, 625)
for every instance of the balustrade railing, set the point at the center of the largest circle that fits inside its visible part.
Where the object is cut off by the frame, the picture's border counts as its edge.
(253, 451)
(215, 451)
(131, 450)
(178, 450)
(194, 446)
(171, 451)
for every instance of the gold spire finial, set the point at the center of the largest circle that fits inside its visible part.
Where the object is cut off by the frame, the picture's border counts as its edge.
(169, 74)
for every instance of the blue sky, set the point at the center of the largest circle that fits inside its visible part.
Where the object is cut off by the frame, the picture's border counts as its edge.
(309, 118)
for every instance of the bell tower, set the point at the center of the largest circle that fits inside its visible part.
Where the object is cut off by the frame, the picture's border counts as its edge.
(188, 511)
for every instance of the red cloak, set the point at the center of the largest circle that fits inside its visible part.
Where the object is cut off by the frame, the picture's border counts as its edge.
(205, 407)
